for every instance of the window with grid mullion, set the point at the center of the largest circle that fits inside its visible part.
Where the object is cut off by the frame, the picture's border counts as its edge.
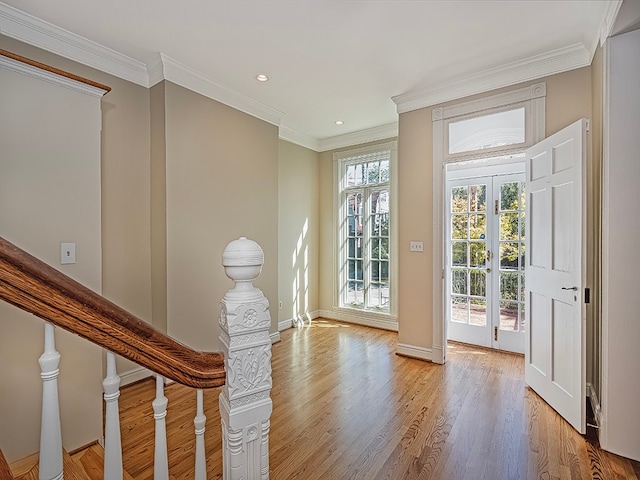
(366, 265)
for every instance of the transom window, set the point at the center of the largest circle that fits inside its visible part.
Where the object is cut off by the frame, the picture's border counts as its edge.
(487, 131)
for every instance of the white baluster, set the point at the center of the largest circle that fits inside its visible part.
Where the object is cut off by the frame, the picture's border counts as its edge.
(160, 459)
(112, 440)
(245, 402)
(50, 433)
(199, 423)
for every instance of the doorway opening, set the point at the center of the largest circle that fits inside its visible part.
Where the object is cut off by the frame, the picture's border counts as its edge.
(485, 244)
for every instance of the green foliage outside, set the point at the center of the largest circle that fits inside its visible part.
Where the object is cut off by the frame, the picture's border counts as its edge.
(469, 247)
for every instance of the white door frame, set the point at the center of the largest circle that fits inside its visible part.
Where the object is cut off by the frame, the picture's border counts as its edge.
(533, 98)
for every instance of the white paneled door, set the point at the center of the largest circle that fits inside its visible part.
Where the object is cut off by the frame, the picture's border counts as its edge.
(555, 346)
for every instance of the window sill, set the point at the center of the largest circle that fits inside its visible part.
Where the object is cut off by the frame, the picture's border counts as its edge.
(370, 318)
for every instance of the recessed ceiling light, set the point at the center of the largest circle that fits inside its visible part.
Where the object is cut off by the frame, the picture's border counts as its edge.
(262, 78)
(339, 122)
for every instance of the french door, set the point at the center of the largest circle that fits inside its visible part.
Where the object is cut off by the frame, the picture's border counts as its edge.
(485, 260)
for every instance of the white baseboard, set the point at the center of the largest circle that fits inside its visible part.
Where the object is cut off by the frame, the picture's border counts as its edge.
(368, 321)
(275, 337)
(595, 405)
(437, 354)
(305, 318)
(284, 324)
(414, 351)
(134, 375)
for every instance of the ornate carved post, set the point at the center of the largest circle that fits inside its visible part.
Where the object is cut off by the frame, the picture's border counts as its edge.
(245, 402)
(50, 431)
(112, 439)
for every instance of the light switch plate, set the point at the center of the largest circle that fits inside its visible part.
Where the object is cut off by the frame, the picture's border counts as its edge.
(67, 253)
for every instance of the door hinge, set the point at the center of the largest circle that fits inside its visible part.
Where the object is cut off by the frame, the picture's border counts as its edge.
(587, 295)
(495, 334)
(588, 125)
(495, 207)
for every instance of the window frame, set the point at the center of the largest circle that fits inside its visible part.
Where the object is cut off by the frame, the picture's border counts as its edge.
(372, 316)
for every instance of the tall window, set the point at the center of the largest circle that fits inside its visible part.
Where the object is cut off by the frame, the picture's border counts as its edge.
(365, 235)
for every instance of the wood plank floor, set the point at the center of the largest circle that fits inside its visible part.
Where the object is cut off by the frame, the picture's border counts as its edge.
(347, 407)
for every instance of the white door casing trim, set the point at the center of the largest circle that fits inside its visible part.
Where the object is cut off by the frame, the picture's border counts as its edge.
(533, 97)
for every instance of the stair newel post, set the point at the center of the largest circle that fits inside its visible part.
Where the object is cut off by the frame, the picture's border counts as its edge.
(112, 439)
(245, 402)
(199, 424)
(160, 458)
(50, 432)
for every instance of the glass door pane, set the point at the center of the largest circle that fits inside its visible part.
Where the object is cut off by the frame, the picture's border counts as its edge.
(468, 253)
(511, 254)
(354, 293)
(378, 288)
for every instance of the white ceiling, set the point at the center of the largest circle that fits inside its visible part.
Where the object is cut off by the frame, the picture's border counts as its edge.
(327, 60)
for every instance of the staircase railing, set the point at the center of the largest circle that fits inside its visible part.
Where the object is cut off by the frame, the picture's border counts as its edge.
(245, 403)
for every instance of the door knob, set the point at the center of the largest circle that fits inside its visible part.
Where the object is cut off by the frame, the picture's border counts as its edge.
(570, 288)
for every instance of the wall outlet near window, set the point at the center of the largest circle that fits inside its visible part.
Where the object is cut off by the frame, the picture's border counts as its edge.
(280, 305)
(416, 246)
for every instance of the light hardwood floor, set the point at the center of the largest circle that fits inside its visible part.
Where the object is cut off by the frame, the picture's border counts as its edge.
(347, 407)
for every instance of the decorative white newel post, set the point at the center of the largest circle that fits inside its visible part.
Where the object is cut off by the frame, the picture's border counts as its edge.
(112, 439)
(160, 457)
(245, 402)
(50, 433)
(199, 424)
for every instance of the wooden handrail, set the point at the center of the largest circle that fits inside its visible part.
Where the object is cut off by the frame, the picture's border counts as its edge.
(57, 71)
(34, 286)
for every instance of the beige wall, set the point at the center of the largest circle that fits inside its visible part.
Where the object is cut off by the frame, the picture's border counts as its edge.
(126, 277)
(568, 99)
(415, 180)
(298, 230)
(326, 285)
(200, 174)
(49, 194)
(222, 183)
(158, 207)
(126, 259)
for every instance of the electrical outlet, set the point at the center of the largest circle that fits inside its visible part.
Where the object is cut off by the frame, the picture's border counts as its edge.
(280, 305)
(416, 246)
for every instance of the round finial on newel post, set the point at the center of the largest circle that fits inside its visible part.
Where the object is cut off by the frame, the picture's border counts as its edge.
(242, 260)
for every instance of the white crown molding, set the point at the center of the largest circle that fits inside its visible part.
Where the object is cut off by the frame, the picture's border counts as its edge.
(373, 134)
(609, 20)
(155, 69)
(532, 68)
(294, 136)
(21, 26)
(189, 78)
(51, 77)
